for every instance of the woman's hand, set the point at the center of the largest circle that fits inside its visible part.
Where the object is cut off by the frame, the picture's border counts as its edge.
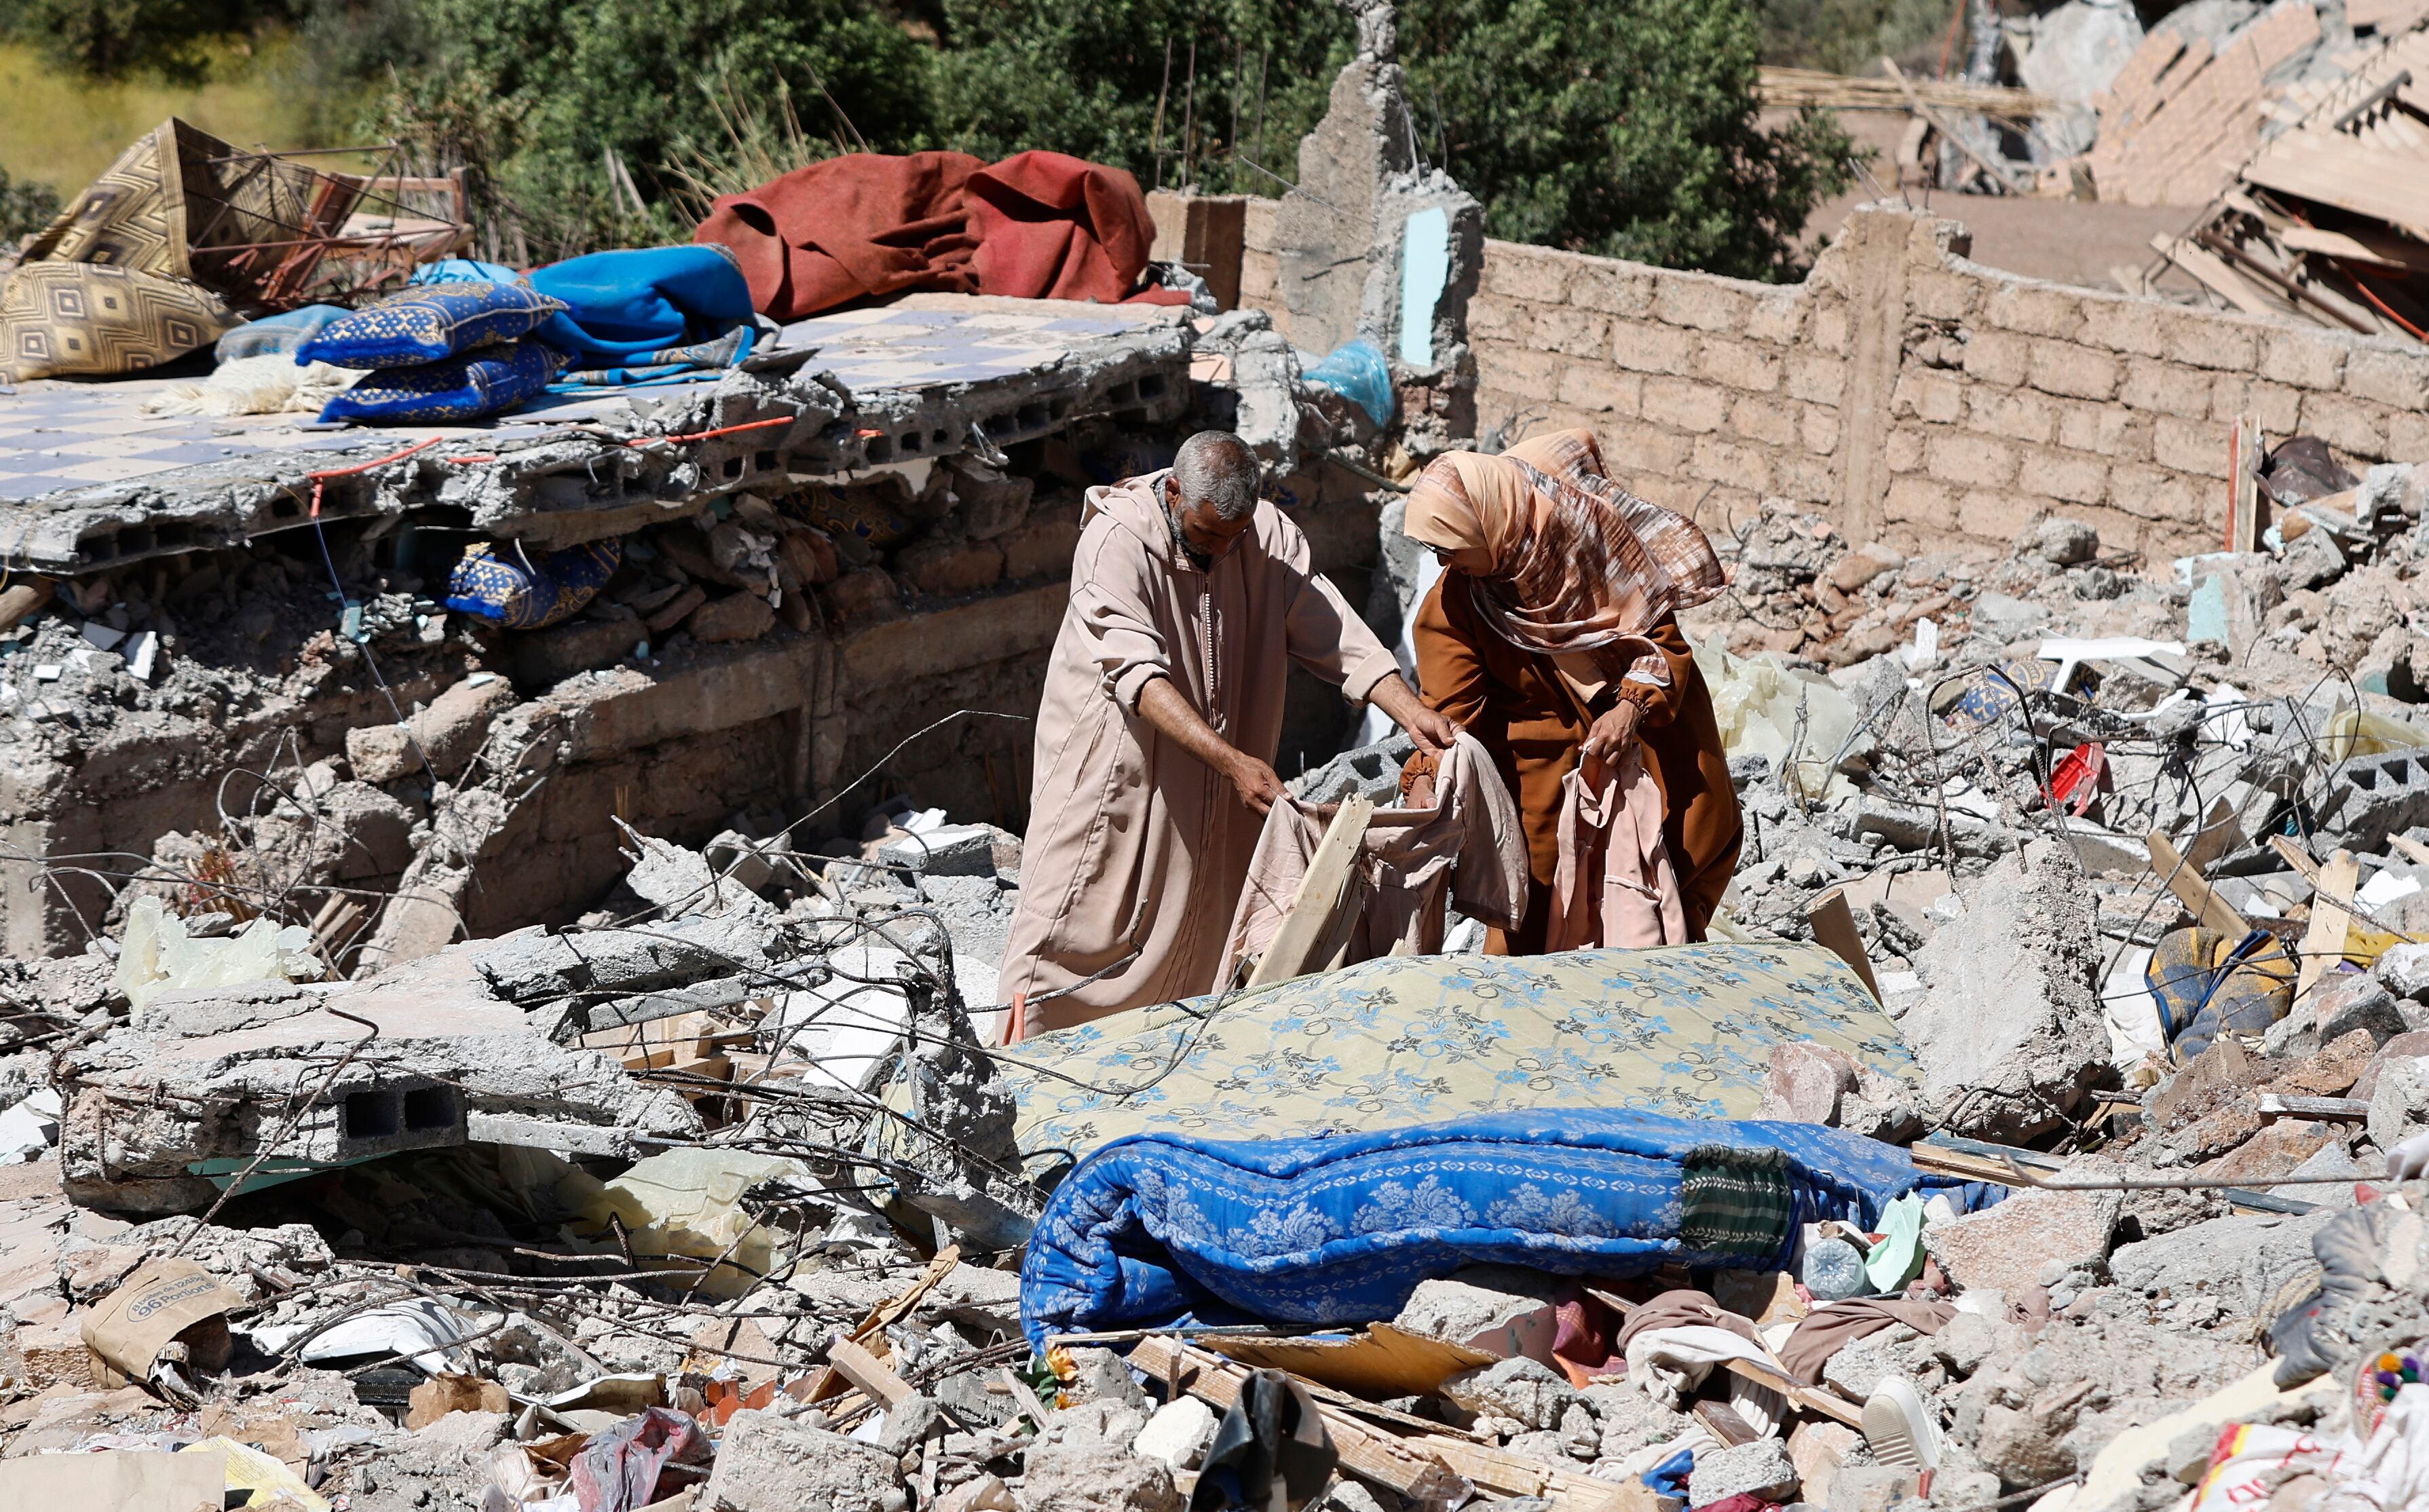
(1611, 737)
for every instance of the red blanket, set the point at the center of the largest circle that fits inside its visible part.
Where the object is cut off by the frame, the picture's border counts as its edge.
(865, 226)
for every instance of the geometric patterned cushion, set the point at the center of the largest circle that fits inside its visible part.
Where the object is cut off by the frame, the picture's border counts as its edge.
(59, 319)
(529, 590)
(429, 324)
(458, 389)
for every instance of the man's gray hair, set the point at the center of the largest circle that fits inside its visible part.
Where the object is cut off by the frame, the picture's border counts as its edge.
(1216, 469)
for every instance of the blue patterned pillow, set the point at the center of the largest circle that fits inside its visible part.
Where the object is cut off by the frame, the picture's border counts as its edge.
(527, 590)
(450, 392)
(429, 324)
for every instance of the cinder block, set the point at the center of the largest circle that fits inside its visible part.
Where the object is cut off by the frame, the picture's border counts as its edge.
(1958, 458)
(2019, 415)
(1919, 502)
(1829, 324)
(2035, 309)
(1647, 346)
(1998, 516)
(1703, 301)
(2077, 372)
(2394, 378)
(1997, 358)
(1590, 386)
(1769, 420)
(2167, 388)
(2277, 408)
(1685, 404)
(1777, 318)
(1494, 318)
(2069, 475)
(1739, 366)
(2375, 796)
(1812, 480)
(1928, 394)
(1614, 289)
(2303, 361)
(1943, 296)
(1903, 447)
(1736, 465)
(2190, 446)
(2356, 426)
(1537, 274)
(1817, 379)
(1571, 331)
(1819, 427)
(2206, 340)
(2130, 327)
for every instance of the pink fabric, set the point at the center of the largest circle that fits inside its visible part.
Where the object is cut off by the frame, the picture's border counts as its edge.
(1459, 840)
(1614, 884)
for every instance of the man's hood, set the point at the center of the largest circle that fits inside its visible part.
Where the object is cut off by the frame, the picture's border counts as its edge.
(1136, 504)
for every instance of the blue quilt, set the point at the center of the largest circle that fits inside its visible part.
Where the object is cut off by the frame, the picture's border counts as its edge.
(1341, 1229)
(635, 307)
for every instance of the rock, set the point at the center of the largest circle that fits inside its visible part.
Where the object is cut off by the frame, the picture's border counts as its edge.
(1521, 1390)
(2217, 1078)
(2404, 970)
(1462, 1310)
(769, 1464)
(2311, 559)
(2398, 1104)
(1580, 1435)
(2000, 618)
(1857, 1371)
(2064, 542)
(1817, 1447)
(1632, 1420)
(909, 1423)
(2025, 941)
(947, 850)
(1100, 1375)
(447, 731)
(2407, 1045)
(2276, 1149)
(1869, 1488)
(2331, 1072)
(1106, 1421)
(1087, 1474)
(737, 617)
(1761, 1467)
(1178, 1434)
(2003, 1246)
(2349, 1001)
(1852, 572)
(1802, 1082)
(2243, 1261)
(1965, 1342)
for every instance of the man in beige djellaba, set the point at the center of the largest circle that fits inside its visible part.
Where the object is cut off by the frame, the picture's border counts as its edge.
(1190, 597)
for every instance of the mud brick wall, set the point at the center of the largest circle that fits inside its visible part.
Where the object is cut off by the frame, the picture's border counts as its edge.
(1911, 395)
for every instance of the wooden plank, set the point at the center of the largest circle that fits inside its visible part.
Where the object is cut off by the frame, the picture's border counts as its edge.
(2276, 1105)
(2412, 850)
(2214, 274)
(875, 1378)
(2294, 856)
(2245, 447)
(2323, 943)
(1949, 134)
(1308, 933)
(2221, 831)
(2196, 894)
(1722, 1422)
(1366, 1453)
(2389, 254)
(1834, 929)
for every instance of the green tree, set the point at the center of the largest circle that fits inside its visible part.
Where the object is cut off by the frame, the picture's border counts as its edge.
(574, 111)
(1627, 129)
(106, 38)
(1216, 94)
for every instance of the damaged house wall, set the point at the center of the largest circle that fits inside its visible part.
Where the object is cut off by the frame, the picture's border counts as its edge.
(1906, 392)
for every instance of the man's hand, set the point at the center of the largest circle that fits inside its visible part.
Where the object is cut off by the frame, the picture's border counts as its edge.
(1431, 729)
(1611, 737)
(1259, 788)
(1163, 707)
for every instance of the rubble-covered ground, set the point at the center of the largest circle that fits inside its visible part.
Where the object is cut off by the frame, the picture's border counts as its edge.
(713, 1199)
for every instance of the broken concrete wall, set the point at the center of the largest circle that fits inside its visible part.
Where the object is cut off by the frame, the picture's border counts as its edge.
(677, 746)
(1907, 392)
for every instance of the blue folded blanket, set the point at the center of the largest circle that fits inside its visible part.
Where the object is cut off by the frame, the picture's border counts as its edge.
(1341, 1229)
(633, 307)
(481, 382)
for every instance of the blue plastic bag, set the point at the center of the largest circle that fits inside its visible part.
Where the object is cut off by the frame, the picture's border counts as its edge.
(1357, 372)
